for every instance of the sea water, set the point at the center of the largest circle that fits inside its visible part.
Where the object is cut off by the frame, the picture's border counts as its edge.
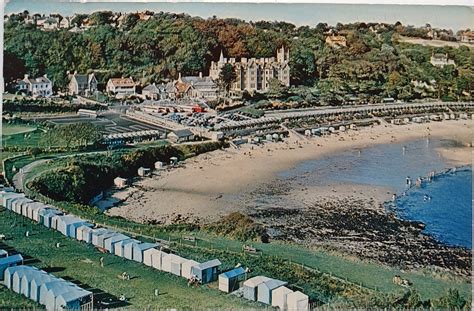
(447, 215)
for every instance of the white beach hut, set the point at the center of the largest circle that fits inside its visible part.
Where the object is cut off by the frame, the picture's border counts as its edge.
(8, 197)
(120, 246)
(26, 280)
(152, 257)
(279, 297)
(33, 209)
(138, 250)
(46, 215)
(35, 285)
(109, 243)
(8, 274)
(250, 287)
(264, 291)
(168, 260)
(84, 232)
(67, 225)
(101, 238)
(186, 268)
(297, 301)
(96, 233)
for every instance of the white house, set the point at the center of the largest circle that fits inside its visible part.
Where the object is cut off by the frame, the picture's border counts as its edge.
(39, 87)
(121, 87)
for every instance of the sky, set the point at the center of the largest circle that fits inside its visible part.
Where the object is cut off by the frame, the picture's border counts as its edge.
(450, 17)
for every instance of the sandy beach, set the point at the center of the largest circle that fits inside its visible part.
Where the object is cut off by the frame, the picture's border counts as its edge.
(203, 188)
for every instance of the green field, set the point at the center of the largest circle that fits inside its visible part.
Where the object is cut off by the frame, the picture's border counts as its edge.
(11, 129)
(80, 263)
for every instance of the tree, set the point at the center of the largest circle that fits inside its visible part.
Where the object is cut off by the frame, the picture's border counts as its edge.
(227, 76)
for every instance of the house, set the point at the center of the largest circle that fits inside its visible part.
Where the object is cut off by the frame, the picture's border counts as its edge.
(39, 87)
(197, 87)
(264, 291)
(65, 23)
(441, 60)
(82, 84)
(250, 287)
(206, 272)
(179, 136)
(186, 268)
(255, 74)
(151, 92)
(229, 281)
(138, 250)
(10, 261)
(297, 301)
(120, 182)
(121, 87)
(336, 41)
(467, 36)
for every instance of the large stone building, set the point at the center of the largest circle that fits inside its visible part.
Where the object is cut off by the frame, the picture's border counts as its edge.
(254, 74)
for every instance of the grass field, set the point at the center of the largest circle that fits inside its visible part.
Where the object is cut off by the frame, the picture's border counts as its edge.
(23, 139)
(11, 129)
(80, 263)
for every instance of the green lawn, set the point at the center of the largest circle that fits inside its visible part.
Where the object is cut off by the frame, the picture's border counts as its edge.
(22, 140)
(11, 129)
(79, 262)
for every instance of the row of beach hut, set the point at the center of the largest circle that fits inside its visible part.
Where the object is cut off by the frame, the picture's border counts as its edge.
(52, 292)
(260, 288)
(111, 241)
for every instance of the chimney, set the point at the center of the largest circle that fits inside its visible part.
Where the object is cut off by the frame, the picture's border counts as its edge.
(26, 77)
(46, 76)
(75, 72)
(200, 74)
(179, 76)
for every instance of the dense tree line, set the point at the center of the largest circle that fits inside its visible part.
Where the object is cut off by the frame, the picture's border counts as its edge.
(374, 63)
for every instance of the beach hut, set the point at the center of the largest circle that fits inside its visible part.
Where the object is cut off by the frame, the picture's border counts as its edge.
(101, 238)
(96, 233)
(143, 171)
(279, 296)
(120, 246)
(53, 285)
(84, 232)
(128, 249)
(16, 204)
(22, 206)
(77, 299)
(67, 225)
(17, 276)
(173, 160)
(186, 268)
(45, 216)
(138, 250)
(166, 261)
(35, 285)
(9, 273)
(27, 279)
(152, 257)
(25, 206)
(264, 291)
(120, 182)
(3, 253)
(297, 301)
(229, 280)
(250, 287)
(158, 165)
(8, 197)
(206, 272)
(109, 243)
(10, 261)
(32, 210)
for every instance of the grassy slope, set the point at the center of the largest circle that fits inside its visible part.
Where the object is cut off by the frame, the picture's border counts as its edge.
(16, 129)
(80, 262)
(369, 274)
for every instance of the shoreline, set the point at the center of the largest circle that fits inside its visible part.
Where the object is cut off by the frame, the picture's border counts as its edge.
(204, 188)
